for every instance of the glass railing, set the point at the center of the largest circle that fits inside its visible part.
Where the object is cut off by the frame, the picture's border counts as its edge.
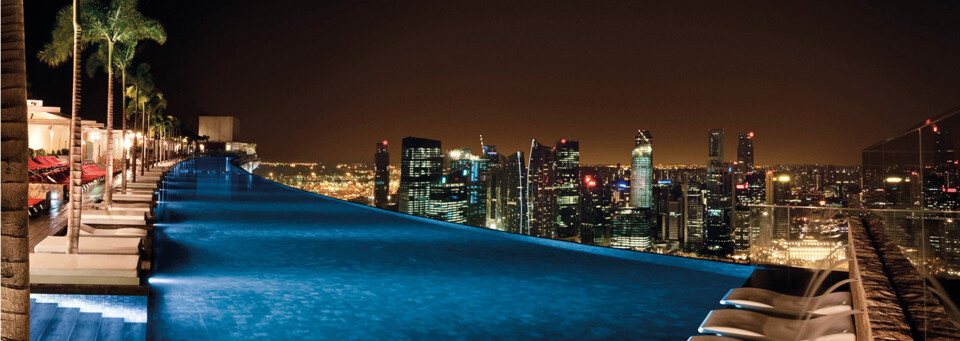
(802, 236)
(794, 236)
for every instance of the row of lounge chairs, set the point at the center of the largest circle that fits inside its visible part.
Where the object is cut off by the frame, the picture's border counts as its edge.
(106, 256)
(44, 162)
(761, 314)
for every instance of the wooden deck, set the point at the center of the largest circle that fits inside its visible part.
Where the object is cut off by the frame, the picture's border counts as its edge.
(54, 221)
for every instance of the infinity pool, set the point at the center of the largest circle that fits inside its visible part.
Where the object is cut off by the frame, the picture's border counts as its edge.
(240, 257)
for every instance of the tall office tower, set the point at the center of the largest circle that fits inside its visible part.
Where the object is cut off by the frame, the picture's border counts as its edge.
(717, 239)
(596, 204)
(515, 205)
(541, 190)
(941, 187)
(745, 151)
(450, 198)
(694, 210)
(662, 193)
(421, 167)
(381, 177)
(641, 171)
(674, 221)
(568, 188)
(779, 193)
(714, 149)
(474, 169)
(496, 187)
(631, 228)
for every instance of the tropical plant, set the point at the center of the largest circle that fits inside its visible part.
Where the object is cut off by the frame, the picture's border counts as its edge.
(13, 115)
(122, 58)
(66, 42)
(117, 23)
(141, 84)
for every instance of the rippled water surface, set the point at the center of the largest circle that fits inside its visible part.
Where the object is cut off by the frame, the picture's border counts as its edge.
(239, 257)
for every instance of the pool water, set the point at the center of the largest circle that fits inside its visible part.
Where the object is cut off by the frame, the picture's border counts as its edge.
(240, 257)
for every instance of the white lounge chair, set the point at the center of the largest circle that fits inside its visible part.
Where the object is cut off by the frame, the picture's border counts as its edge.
(59, 268)
(87, 230)
(749, 325)
(91, 245)
(772, 302)
(113, 217)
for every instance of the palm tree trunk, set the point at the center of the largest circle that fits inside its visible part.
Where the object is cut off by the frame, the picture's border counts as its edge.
(75, 204)
(143, 154)
(15, 311)
(108, 192)
(136, 143)
(123, 131)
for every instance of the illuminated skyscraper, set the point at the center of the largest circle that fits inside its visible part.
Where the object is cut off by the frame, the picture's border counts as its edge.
(641, 171)
(381, 177)
(421, 168)
(714, 150)
(496, 188)
(718, 238)
(694, 209)
(632, 228)
(541, 190)
(474, 169)
(745, 152)
(450, 198)
(567, 187)
(596, 204)
(516, 217)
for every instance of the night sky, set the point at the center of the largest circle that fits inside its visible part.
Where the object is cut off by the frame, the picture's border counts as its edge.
(324, 80)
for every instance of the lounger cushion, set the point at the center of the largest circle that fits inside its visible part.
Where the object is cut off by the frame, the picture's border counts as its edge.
(749, 325)
(91, 245)
(768, 301)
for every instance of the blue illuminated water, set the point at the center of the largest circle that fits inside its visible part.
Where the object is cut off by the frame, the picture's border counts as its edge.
(239, 257)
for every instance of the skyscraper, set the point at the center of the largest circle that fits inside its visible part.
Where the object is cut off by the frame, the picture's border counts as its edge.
(541, 190)
(474, 170)
(745, 152)
(421, 169)
(641, 171)
(596, 204)
(631, 228)
(714, 149)
(567, 187)
(495, 187)
(718, 239)
(516, 217)
(450, 198)
(381, 177)
(694, 209)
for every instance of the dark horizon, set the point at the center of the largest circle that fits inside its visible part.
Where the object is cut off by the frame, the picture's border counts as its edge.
(816, 82)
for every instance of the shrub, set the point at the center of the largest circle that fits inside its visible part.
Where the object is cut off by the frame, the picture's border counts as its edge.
(41, 152)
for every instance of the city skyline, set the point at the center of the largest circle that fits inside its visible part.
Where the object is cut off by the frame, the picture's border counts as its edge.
(593, 73)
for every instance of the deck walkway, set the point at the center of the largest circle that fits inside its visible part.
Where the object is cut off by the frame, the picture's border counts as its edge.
(54, 220)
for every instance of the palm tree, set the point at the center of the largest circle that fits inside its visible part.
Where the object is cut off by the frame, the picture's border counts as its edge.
(141, 83)
(122, 58)
(16, 260)
(67, 43)
(154, 104)
(118, 23)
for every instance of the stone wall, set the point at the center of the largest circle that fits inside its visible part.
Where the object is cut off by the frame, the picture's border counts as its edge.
(927, 317)
(887, 318)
